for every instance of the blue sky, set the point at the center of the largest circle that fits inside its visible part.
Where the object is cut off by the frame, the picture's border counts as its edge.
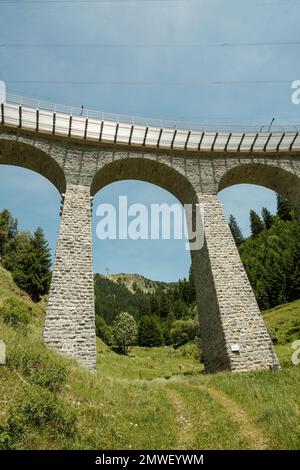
(177, 92)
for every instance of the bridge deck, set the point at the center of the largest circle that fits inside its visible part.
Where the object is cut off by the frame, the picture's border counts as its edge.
(94, 126)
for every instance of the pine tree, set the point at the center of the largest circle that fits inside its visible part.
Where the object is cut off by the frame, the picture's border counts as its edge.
(285, 210)
(15, 248)
(256, 224)
(235, 230)
(150, 332)
(267, 218)
(32, 268)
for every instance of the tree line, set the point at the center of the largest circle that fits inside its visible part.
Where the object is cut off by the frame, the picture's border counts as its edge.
(271, 255)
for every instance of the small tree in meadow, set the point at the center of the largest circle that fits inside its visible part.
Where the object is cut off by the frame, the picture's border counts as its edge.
(124, 331)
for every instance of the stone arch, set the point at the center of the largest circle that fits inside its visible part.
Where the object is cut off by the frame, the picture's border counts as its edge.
(148, 170)
(27, 156)
(271, 176)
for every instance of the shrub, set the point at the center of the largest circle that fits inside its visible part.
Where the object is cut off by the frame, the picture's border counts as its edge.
(183, 331)
(293, 331)
(39, 368)
(6, 441)
(15, 313)
(41, 408)
(37, 409)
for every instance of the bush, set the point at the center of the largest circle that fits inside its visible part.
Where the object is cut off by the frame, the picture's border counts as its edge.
(40, 408)
(37, 409)
(6, 441)
(183, 331)
(15, 313)
(39, 368)
(293, 331)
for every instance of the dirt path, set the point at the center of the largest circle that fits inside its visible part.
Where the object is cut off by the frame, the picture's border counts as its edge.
(251, 433)
(185, 438)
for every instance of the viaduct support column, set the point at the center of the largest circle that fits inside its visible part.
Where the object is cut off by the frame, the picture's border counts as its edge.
(70, 318)
(234, 335)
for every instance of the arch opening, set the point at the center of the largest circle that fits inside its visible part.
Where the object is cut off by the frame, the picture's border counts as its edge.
(163, 180)
(24, 155)
(142, 221)
(150, 171)
(269, 176)
(147, 268)
(267, 235)
(31, 189)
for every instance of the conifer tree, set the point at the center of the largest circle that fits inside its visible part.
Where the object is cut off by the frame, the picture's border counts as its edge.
(256, 224)
(32, 268)
(150, 332)
(267, 218)
(285, 210)
(8, 228)
(235, 230)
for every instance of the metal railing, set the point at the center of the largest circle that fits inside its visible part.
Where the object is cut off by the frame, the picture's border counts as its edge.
(146, 121)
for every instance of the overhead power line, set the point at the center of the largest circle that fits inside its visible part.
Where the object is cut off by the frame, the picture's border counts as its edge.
(158, 46)
(90, 1)
(158, 83)
(57, 2)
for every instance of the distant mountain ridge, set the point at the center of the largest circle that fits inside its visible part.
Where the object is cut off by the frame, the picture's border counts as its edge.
(134, 281)
(126, 292)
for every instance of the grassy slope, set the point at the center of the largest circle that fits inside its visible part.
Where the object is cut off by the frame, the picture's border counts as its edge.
(280, 321)
(156, 398)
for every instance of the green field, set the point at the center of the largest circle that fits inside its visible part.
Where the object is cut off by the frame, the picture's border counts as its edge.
(154, 398)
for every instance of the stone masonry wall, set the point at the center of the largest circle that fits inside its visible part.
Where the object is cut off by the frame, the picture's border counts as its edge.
(228, 302)
(70, 319)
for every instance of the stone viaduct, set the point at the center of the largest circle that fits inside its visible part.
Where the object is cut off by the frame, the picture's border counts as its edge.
(81, 154)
